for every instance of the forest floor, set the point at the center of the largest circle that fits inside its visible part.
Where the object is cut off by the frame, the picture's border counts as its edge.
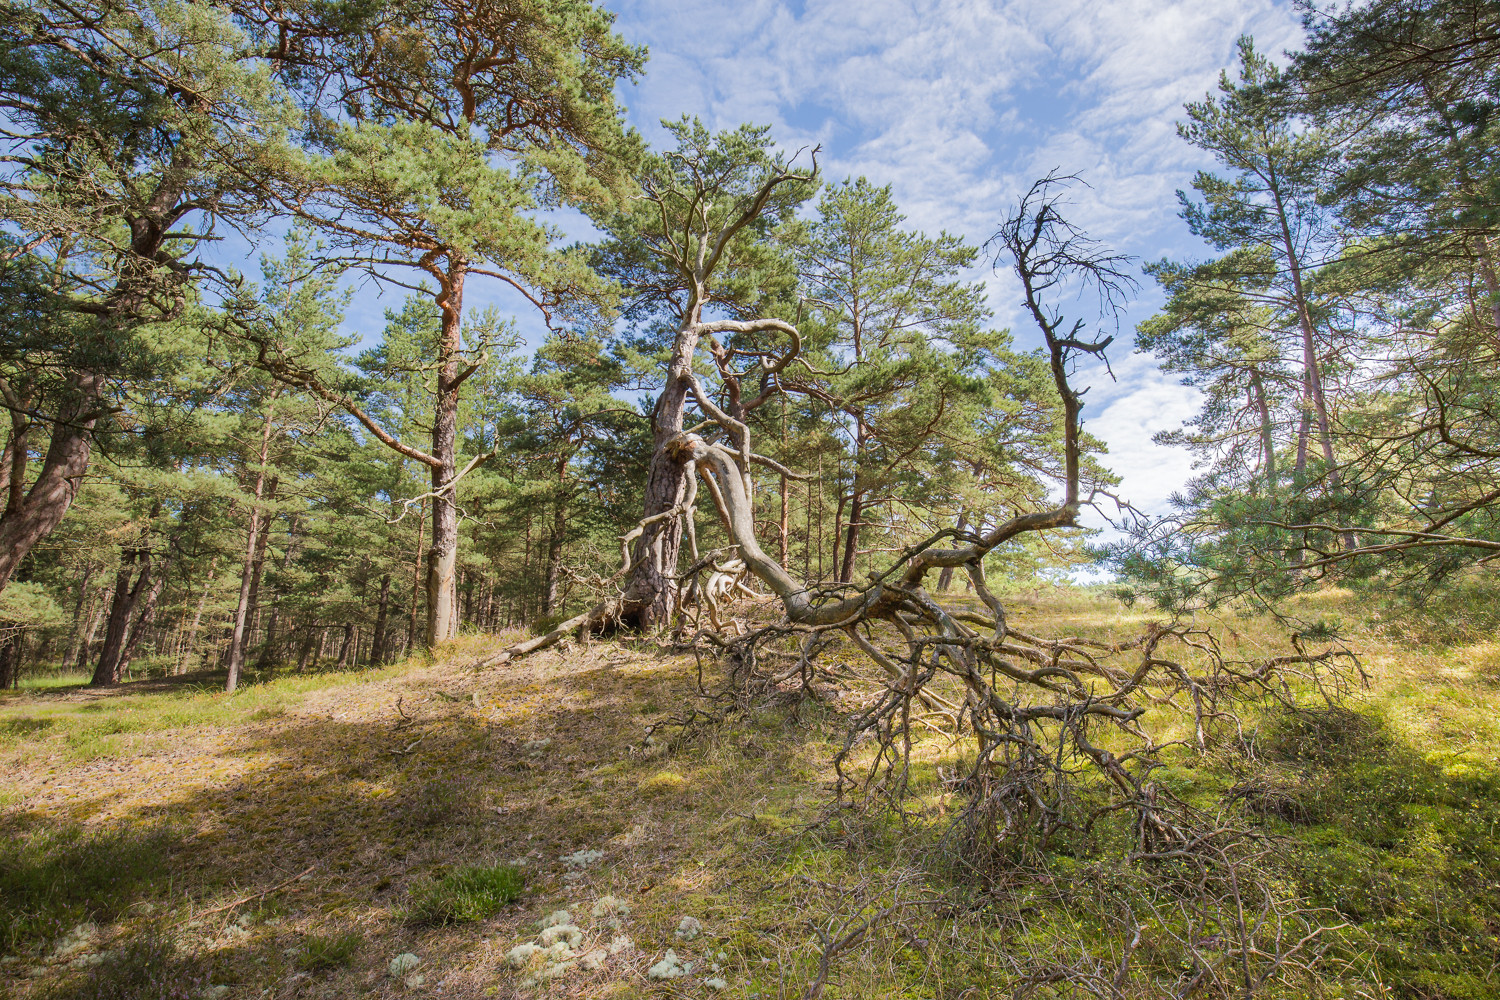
(162, 839)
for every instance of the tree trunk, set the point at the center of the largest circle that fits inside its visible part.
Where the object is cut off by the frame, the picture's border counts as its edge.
(851, 539)
(192, 637)
(856, 500)
(554, 557)
(306, 650)
(146, 616)
(649, 596)
(1491, 282)
(1267, 438)
(377, 643)
(96, 618)
(416, 578)
(57, 482)
(75, 636)
(1313, 376)
(268, 648)
(945, 578)
(257, 571)
(345, 647)
(253, 548)
(12, 642)
(442, 556)
(838, 536)
(783, 524)
(127, 595)
(18, 452)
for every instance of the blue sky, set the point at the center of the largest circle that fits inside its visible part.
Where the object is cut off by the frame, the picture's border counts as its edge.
(959, 105)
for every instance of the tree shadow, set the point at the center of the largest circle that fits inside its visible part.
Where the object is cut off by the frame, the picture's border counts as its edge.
(365, 810)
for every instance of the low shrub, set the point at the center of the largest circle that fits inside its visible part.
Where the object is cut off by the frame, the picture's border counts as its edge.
(472, 892)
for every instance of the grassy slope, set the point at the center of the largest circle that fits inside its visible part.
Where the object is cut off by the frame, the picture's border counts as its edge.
(145, 808)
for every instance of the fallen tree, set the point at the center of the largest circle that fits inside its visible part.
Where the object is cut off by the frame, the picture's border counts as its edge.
(1034, 705)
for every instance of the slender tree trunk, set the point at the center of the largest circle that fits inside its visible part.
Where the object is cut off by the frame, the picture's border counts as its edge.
(1304, 430)
(377, 644)
(191, 645)
(838, 536)
(307, 648)
(1313, 376)
(75, 635)
(345, 647)
(465, 603)
(820, 515)
(12, 646)
(268, 648)
(257, 569)
(1491, 282)
(856, 501)
(554, 557)
(526, 614)
(146, 616)
(784, 527)
(97, 612)
(253, 547)
(416, 578)
(1267, 438)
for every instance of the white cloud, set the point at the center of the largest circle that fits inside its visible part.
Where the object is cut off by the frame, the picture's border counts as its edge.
(959, 105)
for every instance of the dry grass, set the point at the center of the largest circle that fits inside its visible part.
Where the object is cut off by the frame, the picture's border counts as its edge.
(162, 814)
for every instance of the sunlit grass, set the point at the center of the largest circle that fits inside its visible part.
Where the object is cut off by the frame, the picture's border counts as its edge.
(1383, 811)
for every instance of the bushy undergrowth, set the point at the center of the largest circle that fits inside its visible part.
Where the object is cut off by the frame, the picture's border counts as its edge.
(465, 894)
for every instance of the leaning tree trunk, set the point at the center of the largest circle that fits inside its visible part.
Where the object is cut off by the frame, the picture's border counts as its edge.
(56, 484)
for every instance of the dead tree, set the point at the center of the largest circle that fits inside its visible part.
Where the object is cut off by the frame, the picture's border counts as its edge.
(1033, 705)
